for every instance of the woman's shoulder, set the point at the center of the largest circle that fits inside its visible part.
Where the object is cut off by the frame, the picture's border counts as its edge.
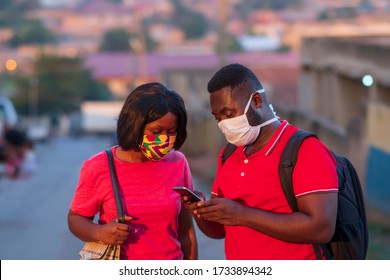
(175, 155)
(96, 161)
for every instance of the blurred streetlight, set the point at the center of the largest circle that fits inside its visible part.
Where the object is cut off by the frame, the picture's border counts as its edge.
(367, 80)
(11, 64)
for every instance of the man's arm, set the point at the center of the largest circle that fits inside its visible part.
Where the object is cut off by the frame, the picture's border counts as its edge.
(314, 223)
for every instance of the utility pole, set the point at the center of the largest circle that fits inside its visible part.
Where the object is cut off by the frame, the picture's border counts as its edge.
(224, 5)
(142, 53)
(33, 97)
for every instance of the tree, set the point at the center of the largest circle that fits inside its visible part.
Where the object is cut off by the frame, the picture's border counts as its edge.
(245, 8)
(12, 11)
(5, 4)
(193, 24)
(116, 40)
(232, 44)
(61, 83)
(119, 40)
(31, 32)
(150, 44)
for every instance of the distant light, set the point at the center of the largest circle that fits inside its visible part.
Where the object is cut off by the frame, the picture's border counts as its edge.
(11, 65)
(367, 80)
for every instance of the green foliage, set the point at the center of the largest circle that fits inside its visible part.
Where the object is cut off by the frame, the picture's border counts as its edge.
(20, 5)
(20, 96)
(150, 44)
(61, 83)
(31, 32)
(116, 40)
(366, 6)
(337, 13)
(232, 45)
(25, 5)
(119, 40)
(244, 8)
(7, 84)
(284, 49)
(12, 11)
(5, 4)
(193, 24)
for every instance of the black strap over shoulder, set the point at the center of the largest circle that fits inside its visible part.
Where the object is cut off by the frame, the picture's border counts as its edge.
(115, 186)
(287, 163)
(229, 149)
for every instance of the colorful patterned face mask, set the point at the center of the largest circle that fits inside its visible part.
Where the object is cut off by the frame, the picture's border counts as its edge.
(156, 146)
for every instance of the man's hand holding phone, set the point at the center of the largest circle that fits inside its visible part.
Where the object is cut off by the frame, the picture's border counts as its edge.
(187, 195)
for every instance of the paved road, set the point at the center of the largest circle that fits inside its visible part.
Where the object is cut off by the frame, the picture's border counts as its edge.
(33, 212)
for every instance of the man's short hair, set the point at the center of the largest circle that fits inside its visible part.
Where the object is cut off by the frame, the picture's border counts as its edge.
(236, 76)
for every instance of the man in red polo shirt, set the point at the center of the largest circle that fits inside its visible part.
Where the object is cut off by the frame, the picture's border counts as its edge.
(248, 207)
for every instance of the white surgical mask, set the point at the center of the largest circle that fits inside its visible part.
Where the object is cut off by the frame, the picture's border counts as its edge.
(238, 131)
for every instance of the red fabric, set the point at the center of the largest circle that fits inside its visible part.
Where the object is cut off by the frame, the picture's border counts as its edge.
(147, 195)
(254, 182)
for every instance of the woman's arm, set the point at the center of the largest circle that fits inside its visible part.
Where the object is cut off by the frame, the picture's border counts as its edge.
(85, 229)
(187, 236)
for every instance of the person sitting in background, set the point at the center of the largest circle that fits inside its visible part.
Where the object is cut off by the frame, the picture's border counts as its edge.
(19, 154)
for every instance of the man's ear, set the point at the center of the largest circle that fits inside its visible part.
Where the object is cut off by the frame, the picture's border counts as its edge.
(253, 115)
(258, 98)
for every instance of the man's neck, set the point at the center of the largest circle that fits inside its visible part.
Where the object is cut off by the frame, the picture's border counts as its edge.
(266, 134)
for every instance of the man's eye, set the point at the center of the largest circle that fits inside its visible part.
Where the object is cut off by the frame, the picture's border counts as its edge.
(229, 115)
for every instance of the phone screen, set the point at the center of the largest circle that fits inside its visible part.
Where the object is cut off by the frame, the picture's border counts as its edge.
(183, 191)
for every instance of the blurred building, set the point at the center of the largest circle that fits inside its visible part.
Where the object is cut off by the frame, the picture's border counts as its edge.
(189, 75)
(377, 24)
(278, 73)
(350, 114)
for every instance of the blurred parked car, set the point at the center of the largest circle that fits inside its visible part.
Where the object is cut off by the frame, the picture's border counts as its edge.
(38, 131)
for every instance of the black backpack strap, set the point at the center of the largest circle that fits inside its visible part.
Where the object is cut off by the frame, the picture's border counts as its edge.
(287, 163)
(286, 167)
(229, 149)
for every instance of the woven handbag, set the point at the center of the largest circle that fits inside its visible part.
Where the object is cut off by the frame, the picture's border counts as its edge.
(98, 250)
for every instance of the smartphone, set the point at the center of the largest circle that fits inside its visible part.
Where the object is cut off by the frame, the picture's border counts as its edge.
(183, 191)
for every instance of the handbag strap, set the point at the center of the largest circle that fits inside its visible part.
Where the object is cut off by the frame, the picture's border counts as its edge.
(115, 186)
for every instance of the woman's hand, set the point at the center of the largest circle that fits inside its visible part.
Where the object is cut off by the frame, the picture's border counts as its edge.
(114, 232)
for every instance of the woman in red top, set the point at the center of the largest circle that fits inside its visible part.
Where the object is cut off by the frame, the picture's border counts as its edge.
(151, 128)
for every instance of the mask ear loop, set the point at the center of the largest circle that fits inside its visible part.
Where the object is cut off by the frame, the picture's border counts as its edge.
(260, 90)
(270, 105)
(247, 105)
(250, 99)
